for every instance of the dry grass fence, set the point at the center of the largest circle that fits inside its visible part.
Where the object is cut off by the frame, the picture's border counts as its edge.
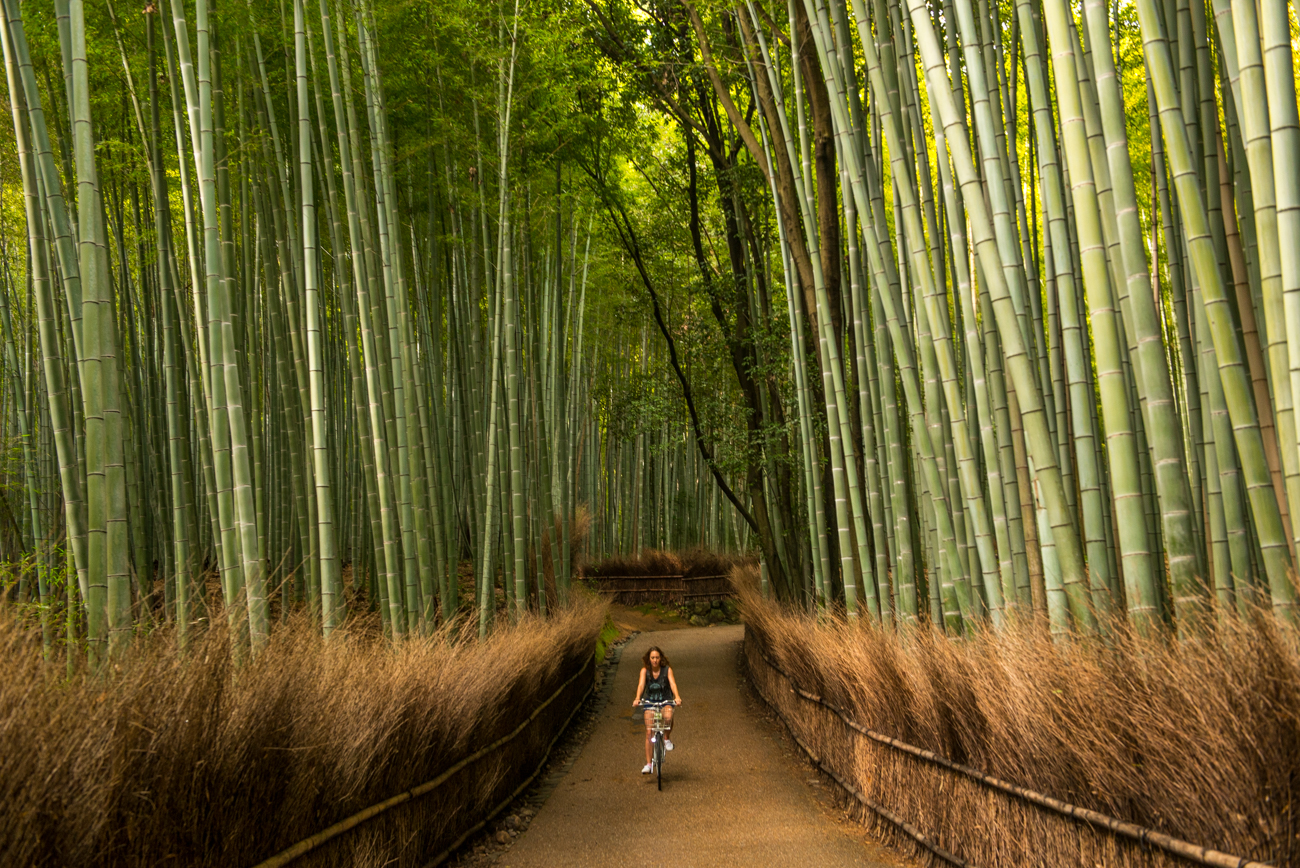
(170, 760)
(1198, 739)
(672, 578)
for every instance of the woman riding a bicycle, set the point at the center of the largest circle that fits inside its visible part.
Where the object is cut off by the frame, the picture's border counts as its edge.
(656, 685)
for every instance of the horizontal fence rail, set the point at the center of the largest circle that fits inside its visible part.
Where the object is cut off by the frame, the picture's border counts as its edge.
(289, 854)
(598, 577)
(662, 587)
(1130, 831)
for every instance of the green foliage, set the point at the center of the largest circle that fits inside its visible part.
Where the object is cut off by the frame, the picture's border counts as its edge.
(608, 635)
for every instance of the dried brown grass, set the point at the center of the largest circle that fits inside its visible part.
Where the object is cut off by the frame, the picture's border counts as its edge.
(1198, 738)
(186, 759)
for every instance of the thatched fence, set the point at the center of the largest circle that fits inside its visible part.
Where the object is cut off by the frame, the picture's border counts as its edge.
(448, 809)
(346, 752)
(950, 812)
(669, 578)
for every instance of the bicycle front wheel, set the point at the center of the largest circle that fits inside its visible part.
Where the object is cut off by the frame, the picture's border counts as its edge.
(659, 761)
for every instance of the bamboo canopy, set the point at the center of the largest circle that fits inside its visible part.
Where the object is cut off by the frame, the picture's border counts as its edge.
(1025, 314)
(952, 311)
(266, 351)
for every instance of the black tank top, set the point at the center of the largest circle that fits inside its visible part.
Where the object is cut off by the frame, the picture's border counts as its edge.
(657, 689)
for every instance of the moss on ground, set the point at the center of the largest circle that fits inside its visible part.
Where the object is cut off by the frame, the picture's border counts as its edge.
(608, 635)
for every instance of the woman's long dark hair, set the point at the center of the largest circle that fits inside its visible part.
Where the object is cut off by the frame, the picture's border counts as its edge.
(663, 658)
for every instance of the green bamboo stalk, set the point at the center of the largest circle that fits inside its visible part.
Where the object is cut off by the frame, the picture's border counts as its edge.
(46, 176)
(1241, 408)
(109, 596)
(1039, 439)
(331, 581)
(1142, 318)
(1121, 451)
(52, 362)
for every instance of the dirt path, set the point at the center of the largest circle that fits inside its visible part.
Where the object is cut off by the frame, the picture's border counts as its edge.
(731, 795)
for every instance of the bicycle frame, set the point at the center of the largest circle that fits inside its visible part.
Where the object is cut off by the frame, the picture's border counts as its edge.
(659, 728)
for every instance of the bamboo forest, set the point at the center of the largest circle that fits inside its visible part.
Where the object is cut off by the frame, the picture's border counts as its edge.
(953, 346)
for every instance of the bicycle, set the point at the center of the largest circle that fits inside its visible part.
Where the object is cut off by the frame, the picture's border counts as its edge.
(659, 733)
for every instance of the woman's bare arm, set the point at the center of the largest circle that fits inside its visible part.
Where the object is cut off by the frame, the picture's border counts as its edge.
(640, 687)
(672, 682)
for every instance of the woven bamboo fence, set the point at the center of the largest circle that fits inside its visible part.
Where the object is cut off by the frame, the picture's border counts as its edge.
(436, 817)
(669, 590)
(949, 812)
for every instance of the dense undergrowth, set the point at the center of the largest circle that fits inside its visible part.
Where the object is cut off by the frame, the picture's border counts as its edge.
(166, 758)
(1198, 738)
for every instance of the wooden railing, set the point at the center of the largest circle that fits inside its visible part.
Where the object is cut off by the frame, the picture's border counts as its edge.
(669, 588)
(584, 677)
(776, 687)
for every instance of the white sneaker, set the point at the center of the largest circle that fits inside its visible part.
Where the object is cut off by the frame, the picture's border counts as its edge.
(648, 768)
(668, 744)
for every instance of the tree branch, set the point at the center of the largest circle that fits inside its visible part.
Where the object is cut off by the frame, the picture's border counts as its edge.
(627, 235)
(724, 96)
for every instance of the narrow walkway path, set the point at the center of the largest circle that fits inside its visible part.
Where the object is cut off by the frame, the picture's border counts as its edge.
(731, 796)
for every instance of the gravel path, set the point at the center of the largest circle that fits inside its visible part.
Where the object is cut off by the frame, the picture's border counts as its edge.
(732, 795)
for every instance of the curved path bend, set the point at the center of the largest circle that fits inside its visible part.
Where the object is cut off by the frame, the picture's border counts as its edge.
(731, 797)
